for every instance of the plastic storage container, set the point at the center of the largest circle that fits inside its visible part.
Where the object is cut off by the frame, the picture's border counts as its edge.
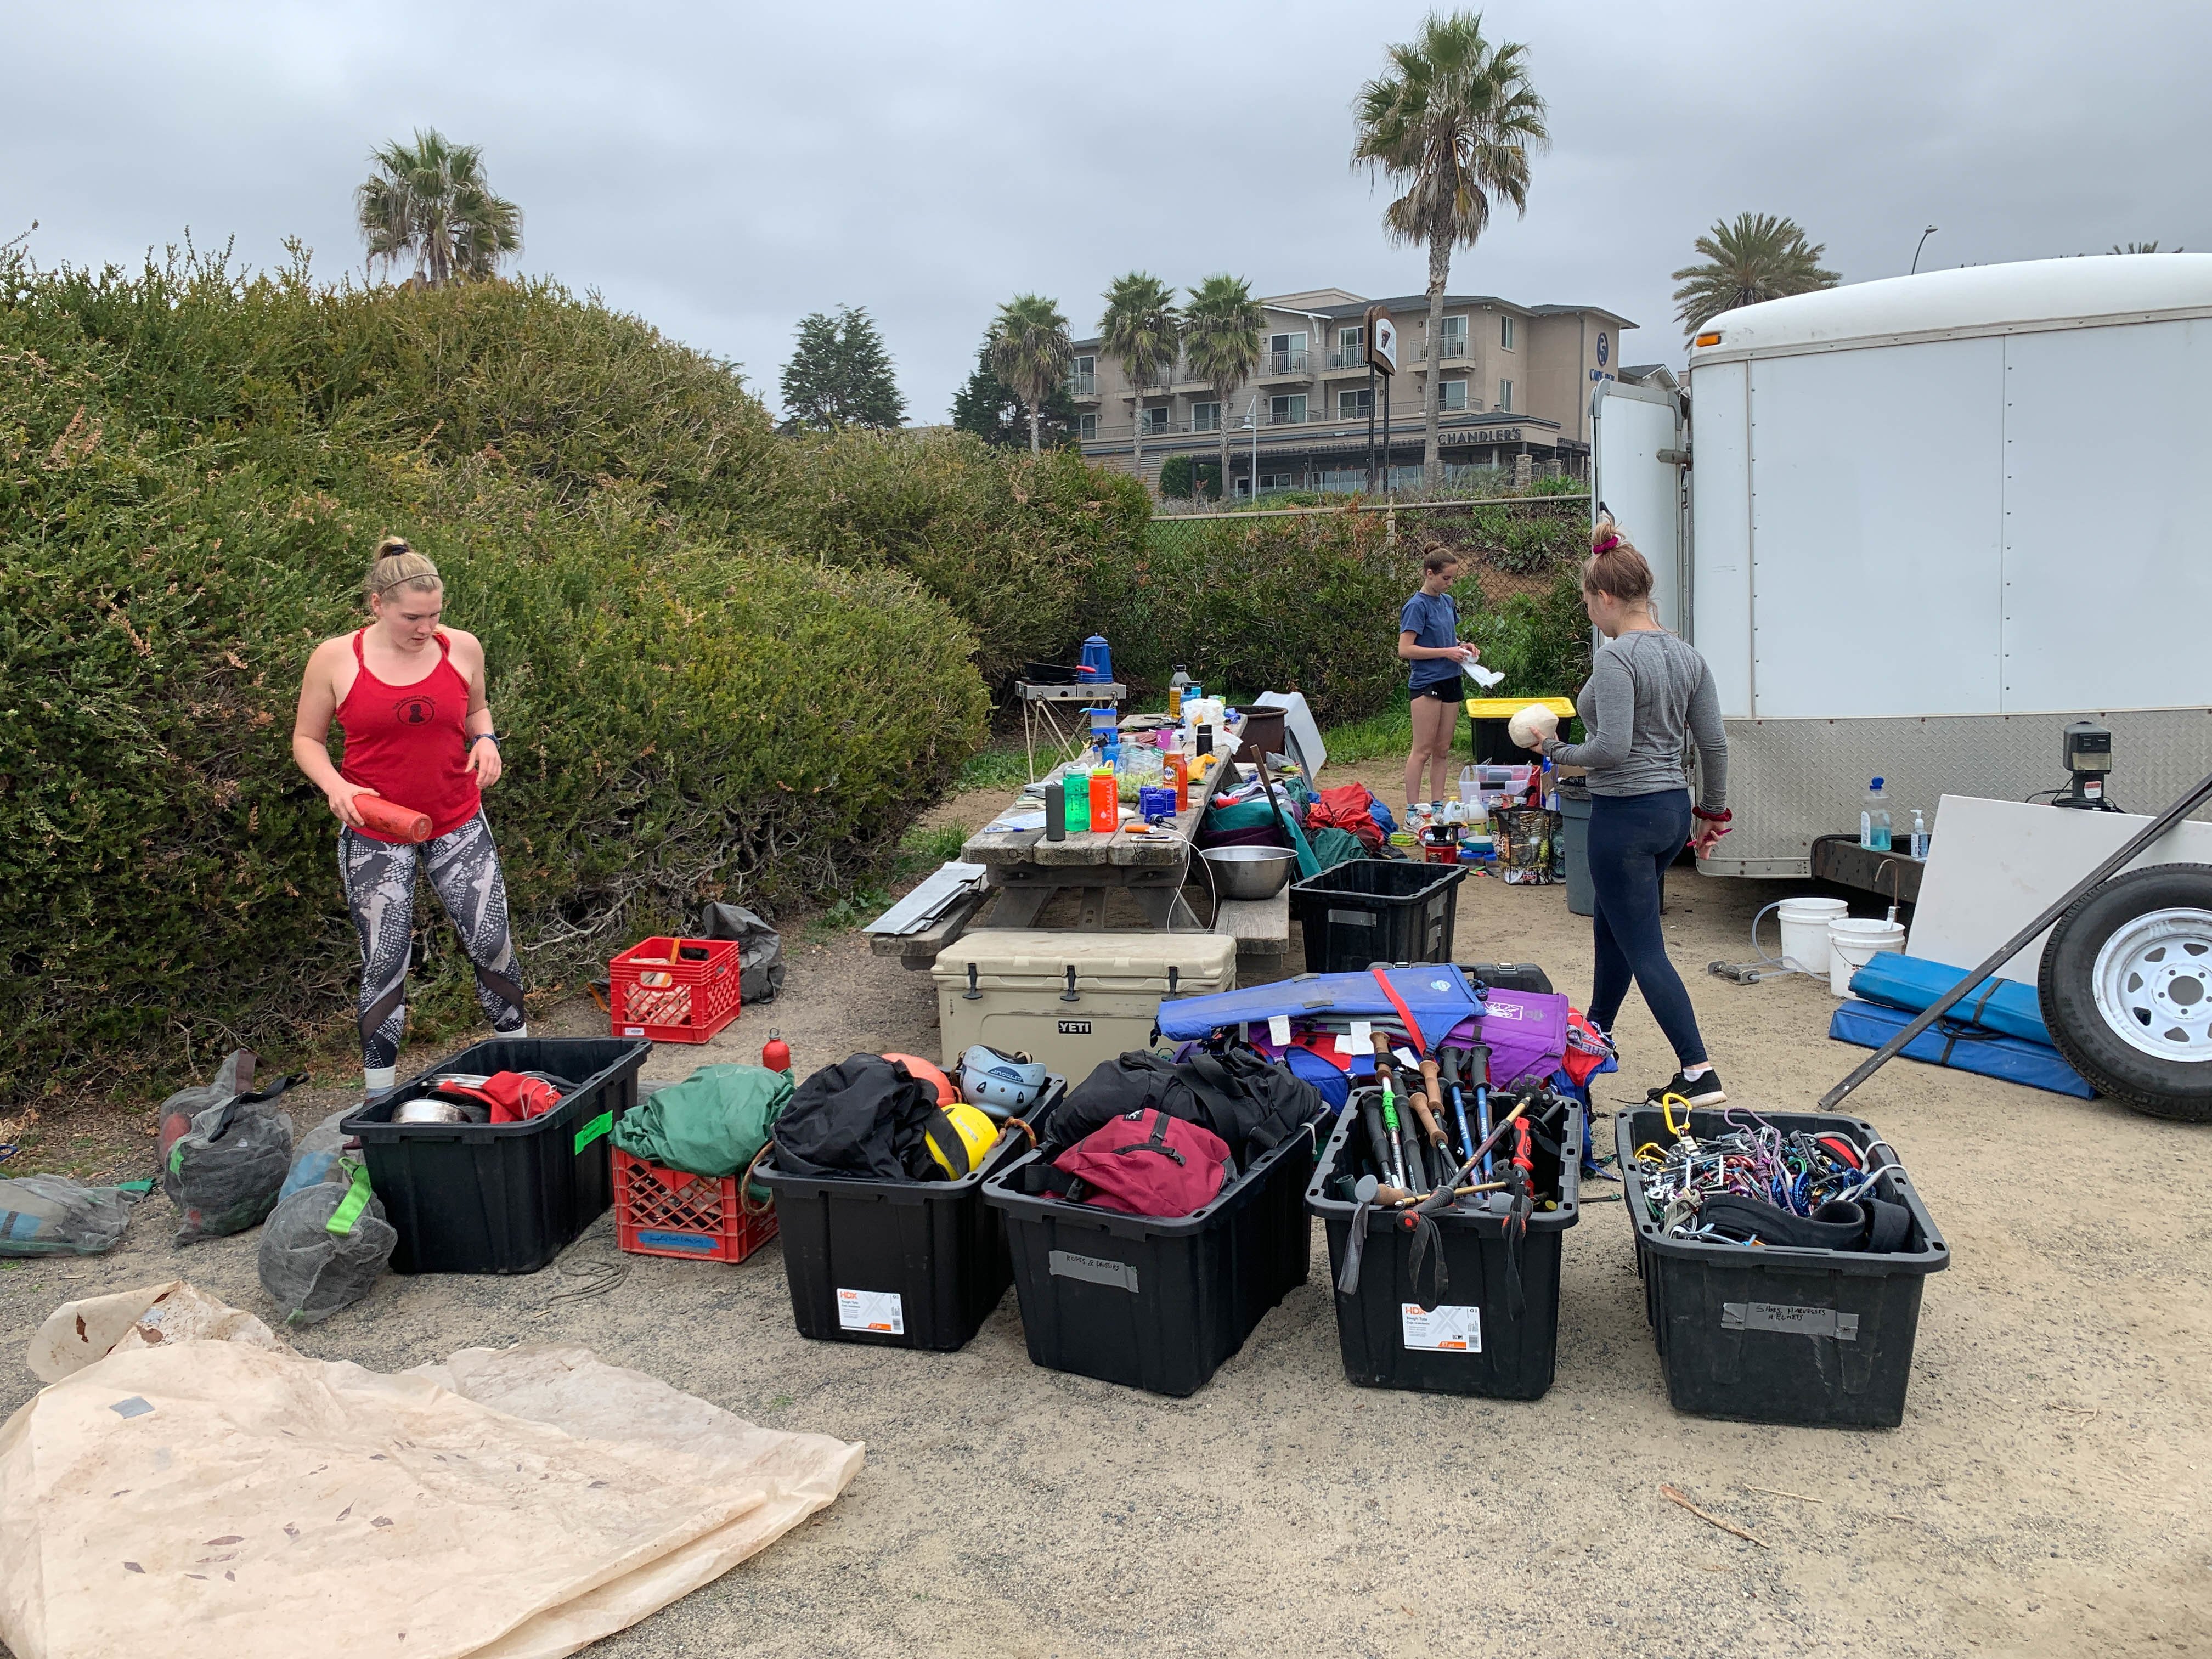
(1154, 1304)
(663, 1211)
(1763, 1334)
(500, 1198)
(902, 1264)
(1475, 1342)
(1375, 910)
(655, 994)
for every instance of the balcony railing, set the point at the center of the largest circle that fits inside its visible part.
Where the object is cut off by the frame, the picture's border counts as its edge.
(1080, 385)
(1348, 358)
(1455, 346)
(1282, 362)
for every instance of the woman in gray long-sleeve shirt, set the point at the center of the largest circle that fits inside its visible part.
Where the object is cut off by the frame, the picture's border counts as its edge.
(1647, 692)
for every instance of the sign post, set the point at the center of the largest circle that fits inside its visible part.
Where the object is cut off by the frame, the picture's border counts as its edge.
(1381, 337)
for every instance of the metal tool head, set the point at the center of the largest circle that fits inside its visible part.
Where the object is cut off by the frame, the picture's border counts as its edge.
(1363, 1190)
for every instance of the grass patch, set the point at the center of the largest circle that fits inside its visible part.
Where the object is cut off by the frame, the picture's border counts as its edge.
(993, 768)
(1387, 735)
(923, 850)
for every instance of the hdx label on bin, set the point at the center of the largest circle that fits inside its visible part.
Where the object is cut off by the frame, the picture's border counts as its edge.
(870, 1310)
(1066, 1264)
(1453, 1329)
(1788, 1317)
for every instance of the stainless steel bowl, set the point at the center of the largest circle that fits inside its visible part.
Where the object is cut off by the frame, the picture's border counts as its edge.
(429, 1111)
(1251, 872)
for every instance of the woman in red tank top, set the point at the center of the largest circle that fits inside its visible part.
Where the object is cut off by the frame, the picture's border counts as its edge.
(408, 697)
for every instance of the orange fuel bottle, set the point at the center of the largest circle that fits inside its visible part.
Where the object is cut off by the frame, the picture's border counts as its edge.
(1179, 770)
(1105, 811)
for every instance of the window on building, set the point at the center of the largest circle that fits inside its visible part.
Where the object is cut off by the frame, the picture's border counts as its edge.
(1286, 354)
(1354, 405)
(1205, 418)
(1351, 340)
(1279, 481)
(1451, 394)
(1506, 397)
(1455, 336)
(1086, 427)
(1085, 365)
(1287, 411)
(1505, 333)
(1082, 376)
(1155, 420)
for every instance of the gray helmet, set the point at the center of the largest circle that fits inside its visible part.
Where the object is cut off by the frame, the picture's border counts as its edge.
(1002, 1084)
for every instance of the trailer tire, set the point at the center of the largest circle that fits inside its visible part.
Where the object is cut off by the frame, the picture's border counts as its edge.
(2125, 985)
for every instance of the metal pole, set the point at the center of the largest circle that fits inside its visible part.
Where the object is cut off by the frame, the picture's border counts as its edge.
(1387, 379)
(1917, 247)
(1255, 448)
(1370, 427)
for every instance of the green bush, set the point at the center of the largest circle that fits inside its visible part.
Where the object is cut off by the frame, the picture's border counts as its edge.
(191, 483)
(1017, 546)
(1182, 476)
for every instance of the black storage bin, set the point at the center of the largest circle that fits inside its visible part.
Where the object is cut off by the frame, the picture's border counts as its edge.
(1523, 976)
(1508, 1355)
(500, 1198)
(1375, 910)
(901, 1264)
(1764, 1334)
(1155, 1303)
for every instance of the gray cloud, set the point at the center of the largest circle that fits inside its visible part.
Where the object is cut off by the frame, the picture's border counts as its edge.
(723, 170)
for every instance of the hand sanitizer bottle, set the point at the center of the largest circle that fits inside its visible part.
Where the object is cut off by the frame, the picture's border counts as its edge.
(1919, 836)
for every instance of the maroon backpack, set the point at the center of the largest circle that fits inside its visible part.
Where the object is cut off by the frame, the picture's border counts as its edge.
(1148, 1164)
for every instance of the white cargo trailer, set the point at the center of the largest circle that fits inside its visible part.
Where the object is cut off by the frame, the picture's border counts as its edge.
(1918, 526)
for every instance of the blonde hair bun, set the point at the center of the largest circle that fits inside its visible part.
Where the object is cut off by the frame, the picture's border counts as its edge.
(397, 565)
(1532, 726)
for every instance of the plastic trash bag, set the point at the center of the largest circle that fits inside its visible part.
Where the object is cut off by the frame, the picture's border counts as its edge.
(325, 1246)
(224, 1152)
(760, 950)
(52, 1215)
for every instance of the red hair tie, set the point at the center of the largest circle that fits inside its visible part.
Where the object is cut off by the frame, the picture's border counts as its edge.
(1607, 545)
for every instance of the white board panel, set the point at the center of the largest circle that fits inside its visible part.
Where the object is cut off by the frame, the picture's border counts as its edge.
(1876, 506)
(1995, 865)
(1630, 426)
(2107, 500)
(1720, 532)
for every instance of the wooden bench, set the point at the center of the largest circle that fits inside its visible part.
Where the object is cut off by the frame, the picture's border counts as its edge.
(918, 951)
(1261, 928)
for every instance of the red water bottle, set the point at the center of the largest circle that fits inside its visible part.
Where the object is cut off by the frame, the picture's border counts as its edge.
(776, 1053)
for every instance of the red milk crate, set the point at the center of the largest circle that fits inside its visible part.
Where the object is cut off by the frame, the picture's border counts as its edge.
(661, 1211)
(653, 991)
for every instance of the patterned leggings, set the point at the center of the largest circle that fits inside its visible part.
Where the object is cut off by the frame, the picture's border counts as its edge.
(380, 887)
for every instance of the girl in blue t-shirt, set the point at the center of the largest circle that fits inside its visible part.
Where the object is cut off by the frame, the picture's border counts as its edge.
(1428, 638)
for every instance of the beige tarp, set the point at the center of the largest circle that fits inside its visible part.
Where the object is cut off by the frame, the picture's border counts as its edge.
(202, 1490)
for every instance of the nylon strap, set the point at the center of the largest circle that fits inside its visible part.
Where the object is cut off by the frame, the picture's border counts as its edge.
(351, 1206)
(1413, 1026)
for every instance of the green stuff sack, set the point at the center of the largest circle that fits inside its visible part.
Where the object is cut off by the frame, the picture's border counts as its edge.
(710, 1124)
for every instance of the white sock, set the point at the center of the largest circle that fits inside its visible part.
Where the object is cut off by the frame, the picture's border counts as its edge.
(1692, 1073)
(373, 1078)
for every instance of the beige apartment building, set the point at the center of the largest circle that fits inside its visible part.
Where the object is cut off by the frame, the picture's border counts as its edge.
(1515, 381)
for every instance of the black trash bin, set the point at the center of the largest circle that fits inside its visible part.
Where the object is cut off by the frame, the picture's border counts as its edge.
(1376, 910)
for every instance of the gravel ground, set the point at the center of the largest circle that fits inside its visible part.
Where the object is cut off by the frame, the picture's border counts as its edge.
(2046, 1493)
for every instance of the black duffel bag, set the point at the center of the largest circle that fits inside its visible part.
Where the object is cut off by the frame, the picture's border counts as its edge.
(1252, 1103)
(862, 1117)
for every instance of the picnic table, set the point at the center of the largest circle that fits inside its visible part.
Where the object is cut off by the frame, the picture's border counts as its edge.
(1027, 871)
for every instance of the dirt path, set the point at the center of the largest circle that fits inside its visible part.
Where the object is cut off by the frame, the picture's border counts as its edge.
(2046, 1495)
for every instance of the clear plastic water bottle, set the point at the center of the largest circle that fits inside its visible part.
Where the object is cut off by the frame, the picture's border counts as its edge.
(1919, 836)
(1874, 820)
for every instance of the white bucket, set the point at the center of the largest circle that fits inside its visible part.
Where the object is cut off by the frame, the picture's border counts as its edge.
(1853, 942)
(1805, 931)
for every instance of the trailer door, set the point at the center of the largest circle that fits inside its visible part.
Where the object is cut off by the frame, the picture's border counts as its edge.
(1639, 469)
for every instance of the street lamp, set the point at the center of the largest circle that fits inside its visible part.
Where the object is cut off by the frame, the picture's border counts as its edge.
(1917, 247)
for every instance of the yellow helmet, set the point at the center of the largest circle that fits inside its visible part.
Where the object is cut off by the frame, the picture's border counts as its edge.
(957, 1138)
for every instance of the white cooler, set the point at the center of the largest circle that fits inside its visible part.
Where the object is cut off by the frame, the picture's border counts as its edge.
(1070, 999)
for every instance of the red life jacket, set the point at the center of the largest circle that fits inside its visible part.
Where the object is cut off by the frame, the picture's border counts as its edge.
(1148, 1164)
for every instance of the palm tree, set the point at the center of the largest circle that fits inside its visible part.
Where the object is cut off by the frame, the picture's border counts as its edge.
(1030, 352)
(1453, 122)
(430, 200)
(1760, 257)
(1221, 336)
(1140, 328)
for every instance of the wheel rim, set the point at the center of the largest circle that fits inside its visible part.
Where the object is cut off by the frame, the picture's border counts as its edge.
(2154, 984)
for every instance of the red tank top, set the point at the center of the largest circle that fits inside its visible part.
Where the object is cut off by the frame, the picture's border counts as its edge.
(409, 743)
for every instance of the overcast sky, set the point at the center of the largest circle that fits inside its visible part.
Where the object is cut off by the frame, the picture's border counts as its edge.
(723, 169)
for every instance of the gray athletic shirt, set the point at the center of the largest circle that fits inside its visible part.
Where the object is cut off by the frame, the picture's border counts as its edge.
(1646, 691)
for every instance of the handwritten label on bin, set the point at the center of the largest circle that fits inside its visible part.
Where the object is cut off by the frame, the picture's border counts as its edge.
(593, 1130)
(1790, 1319)
(1066, 1264)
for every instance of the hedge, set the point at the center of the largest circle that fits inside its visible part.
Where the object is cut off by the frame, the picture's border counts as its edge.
(188, 496)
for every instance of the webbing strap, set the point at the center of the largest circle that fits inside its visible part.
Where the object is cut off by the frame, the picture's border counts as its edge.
(351, 1206)
(1413, 1026)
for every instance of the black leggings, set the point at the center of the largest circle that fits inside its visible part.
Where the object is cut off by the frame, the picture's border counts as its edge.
(1633, 840)
(380, 889)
